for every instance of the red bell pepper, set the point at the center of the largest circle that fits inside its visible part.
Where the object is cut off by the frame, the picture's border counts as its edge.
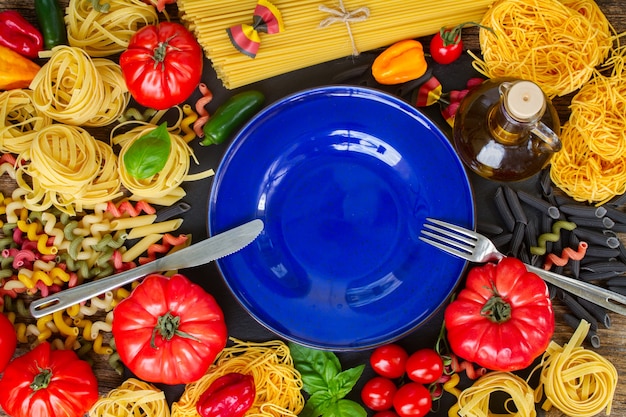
(18, 34)
(230, 395)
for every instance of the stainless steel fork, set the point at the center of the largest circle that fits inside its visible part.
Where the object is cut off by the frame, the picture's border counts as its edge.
(474, 247)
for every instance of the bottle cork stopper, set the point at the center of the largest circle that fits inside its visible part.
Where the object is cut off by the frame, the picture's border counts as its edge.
(525, 101)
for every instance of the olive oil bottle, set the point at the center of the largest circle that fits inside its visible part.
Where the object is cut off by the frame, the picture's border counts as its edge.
(506, 129)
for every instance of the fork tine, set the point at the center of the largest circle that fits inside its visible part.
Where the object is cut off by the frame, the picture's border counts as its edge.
(458, 229)
(446, 248)
(456, 236)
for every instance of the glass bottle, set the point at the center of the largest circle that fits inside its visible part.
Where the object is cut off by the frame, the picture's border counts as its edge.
(506, 129)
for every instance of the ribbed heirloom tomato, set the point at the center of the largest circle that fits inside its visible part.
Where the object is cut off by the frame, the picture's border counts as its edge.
(169, 330)
(162, 65)
(503, 319)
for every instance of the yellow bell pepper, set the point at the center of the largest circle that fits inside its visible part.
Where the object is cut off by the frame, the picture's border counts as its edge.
(16, 71)
(401, 62)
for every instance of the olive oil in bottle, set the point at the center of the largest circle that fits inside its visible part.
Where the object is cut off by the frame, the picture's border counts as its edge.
(506, 129)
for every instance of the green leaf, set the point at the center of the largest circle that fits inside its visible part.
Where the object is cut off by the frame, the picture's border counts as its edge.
(317, 404)
(346, 408)
(148, 154)
(343, 382)
(317, 367)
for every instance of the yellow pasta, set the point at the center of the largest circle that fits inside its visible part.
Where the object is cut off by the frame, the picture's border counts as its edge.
(278, 383)
(66, 165)
(166, 181)
(63, 327)
(132, 398)
(476, 400)
(106, 33)
(140, 247)
(577, 381)
(156, 228)
(306, 40)
(555, 44)
(20, 120)
(72, 88)
(123, 223)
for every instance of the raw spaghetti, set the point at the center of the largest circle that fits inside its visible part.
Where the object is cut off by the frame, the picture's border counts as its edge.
(555, 44)
(312, 34)
(278, 383)
(132, 398)
(591, 166)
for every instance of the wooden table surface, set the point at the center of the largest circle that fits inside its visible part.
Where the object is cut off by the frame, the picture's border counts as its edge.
(613, 339)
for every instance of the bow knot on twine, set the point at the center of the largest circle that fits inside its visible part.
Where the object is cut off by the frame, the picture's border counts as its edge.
(341, 15)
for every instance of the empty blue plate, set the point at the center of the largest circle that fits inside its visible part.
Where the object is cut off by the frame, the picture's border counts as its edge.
(343, 178)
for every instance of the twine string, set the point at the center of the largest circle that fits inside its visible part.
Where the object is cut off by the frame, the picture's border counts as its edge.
(341, 15)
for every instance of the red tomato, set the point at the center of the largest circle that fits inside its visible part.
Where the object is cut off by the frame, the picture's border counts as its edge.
(424, 366)
(168, 330)
(48, 383)
(162, 65)
(8, 341)
(503, 319)
(378, 393)
(389, 360)
(446, 46)
(412, 400)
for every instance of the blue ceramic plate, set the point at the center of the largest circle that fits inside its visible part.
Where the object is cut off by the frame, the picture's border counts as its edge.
(343, 178)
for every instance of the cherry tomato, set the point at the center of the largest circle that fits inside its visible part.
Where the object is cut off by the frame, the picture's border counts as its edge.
(424, 366)
(389, 360)
(412, 400)
(378, 393)
(8, 341)
(446, 46)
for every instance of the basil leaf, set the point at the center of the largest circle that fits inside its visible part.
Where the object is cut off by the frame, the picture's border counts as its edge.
(317, 367)
(343, 382)
(317, 404)
(148, 154)
(346, 408)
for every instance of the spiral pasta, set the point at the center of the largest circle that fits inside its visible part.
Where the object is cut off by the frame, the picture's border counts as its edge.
(106, 33)
(555, 44)
(72, 88)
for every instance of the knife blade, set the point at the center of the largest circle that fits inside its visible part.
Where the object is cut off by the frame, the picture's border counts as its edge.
(215, 247)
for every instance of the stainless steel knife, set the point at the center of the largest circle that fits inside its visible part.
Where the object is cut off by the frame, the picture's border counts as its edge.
(200, 253)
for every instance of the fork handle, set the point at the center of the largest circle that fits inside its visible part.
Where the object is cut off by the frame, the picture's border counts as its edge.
(597, 295)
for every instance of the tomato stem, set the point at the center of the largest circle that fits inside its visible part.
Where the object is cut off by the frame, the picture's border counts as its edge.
(41, 380)
(161, 51)
(496, 309)
(167, 327)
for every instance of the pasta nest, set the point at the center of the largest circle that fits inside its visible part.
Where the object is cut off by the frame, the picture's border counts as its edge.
(556, 44)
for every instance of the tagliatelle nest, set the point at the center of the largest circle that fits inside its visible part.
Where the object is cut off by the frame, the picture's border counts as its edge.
(556, 44)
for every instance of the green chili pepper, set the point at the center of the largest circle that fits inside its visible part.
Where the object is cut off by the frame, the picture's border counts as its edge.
(50, 18)
(231, 115)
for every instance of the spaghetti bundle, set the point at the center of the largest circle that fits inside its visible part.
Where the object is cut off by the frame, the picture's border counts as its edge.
(72, 88)
(592, 164)
(104, 33)
(278, 383)
(67, 168)
(555, 44)
(313, 35)
(21, 120)
(132, 398)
